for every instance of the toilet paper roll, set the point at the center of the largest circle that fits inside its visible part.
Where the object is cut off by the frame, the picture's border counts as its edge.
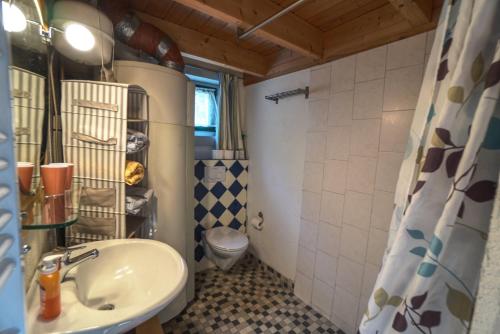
(257, 223)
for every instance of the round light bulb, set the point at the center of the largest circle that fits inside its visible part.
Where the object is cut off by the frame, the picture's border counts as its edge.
(13, 18)
(79, 37)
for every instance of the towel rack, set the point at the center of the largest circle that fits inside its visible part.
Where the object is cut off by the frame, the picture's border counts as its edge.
(276, 97)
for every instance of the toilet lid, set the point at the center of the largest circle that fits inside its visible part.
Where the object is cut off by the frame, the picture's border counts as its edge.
(226, 238)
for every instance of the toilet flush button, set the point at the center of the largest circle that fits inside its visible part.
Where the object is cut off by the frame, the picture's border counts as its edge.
(215, 174)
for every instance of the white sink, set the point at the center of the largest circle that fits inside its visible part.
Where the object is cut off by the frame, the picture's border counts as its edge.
(127, 284)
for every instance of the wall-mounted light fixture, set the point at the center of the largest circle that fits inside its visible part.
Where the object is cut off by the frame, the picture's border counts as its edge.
(13, 18)
(77, 30)
(87, 33)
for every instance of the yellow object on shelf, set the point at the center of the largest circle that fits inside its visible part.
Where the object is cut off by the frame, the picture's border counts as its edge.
(134, 172)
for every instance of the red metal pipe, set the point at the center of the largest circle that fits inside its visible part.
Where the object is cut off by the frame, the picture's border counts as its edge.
(141, 35)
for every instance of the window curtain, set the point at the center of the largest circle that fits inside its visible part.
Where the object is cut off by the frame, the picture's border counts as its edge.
(207, 95)
(429, 278)
(230, 132)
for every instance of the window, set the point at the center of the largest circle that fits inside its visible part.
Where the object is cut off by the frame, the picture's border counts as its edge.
(205, 109)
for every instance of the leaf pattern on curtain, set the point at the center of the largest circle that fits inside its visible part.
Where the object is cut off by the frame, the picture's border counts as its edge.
(429, 278)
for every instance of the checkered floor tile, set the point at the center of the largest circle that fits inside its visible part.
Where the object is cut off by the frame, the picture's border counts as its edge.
(246, 300)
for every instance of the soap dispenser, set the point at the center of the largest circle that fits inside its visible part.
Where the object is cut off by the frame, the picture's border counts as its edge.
(50, 288)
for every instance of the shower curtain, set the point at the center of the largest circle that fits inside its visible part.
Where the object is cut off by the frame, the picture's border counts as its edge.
(230, 132)
(447, 183)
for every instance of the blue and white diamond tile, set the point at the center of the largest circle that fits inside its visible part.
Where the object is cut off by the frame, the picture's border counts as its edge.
(218, 189)
(198, 230)
(199, 212)
(220, 203)
(200, 191)
(199, 170)
(227, 199)
(235, 188)
(236, 168)
(235, 207)
(235, 224)
(218, 209)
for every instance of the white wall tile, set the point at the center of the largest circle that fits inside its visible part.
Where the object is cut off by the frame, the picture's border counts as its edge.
(368, 99)
(329, 239)
(357, 210)
(315, 146)
(395, 130)
(325, 268)
(322, 297)
(308, 235)
(388, 167)
(353, 243)
(318, 115)
(313, 176)
(341, 107)
(370, 64)
(361, 149)
(343, 71)
(319, 87)
(406, 52)
(361, 174)
(337, 146)
(310, 206)
(383, 205)
(377, 244)
(345, 308)
(350, 276)
(365, 136)
(369, 277)
(334, 176)
(303, 287)
(305, 261)
(402, 87)
(342, 325)
(332, 206)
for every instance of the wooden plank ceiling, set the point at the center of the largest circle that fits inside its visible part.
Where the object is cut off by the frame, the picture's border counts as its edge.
(315, 32)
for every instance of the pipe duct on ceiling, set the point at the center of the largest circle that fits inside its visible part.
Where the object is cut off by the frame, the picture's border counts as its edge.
(130, 30)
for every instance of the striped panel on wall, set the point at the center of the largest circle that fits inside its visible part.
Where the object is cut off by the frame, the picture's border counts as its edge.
(28, 108)
(27, 88)
(94, 139)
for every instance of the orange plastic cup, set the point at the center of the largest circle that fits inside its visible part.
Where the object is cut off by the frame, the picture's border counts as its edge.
(69, 176)
(25, 173)
(54, 178)
(69, 173)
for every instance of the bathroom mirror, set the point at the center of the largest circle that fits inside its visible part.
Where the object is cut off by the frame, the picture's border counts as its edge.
(28, 75)
(35, 70)
(29, 105)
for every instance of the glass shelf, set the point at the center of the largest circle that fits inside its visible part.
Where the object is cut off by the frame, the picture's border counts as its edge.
(39, 211)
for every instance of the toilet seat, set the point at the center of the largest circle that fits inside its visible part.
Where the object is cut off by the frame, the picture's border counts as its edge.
(226, 239)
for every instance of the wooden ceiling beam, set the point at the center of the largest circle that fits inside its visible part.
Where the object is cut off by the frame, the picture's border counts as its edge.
(416, 12)
(217, 51)
(373, 29)
(288, 31)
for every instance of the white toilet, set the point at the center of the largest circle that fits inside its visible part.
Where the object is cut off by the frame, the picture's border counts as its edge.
(224, 246)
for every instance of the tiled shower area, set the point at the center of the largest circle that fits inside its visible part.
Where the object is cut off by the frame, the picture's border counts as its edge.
(360, 112)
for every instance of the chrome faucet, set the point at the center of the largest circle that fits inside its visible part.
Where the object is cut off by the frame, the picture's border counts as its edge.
(68, 262)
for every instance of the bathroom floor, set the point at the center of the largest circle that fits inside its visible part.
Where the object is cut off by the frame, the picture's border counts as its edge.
(246, 300)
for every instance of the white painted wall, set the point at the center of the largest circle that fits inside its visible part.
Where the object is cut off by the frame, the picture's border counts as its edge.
(276, 146)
